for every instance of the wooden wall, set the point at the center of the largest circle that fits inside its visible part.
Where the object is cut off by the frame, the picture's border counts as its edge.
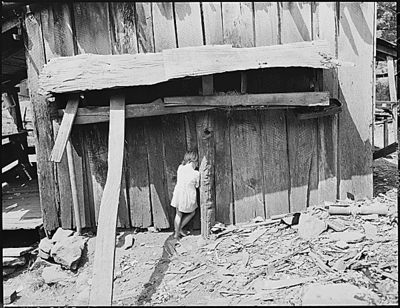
(266, 162)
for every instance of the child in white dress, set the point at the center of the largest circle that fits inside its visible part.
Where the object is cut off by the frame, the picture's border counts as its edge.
(184, 196)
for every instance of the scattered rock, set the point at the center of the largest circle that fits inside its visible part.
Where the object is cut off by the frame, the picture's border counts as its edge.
(43, 255)
(9, 295)
(14, 261)
(152, 229)
(45, 245)
(54, 274)
(371, 231)
(350, 237)
(128, 241)
(68, 251)
(341, 244)
(310, 226)
(61, 234)
(343, 294)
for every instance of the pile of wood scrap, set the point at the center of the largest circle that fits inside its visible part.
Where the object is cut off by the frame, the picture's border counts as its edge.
(287, 261)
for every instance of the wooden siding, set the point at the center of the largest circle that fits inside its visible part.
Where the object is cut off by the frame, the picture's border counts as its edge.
(266, 162)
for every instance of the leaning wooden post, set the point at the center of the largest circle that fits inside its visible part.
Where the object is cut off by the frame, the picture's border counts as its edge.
(74, 190)
(103, 267)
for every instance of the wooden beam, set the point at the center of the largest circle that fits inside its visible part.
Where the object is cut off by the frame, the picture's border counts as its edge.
(65, 129)
(74, 191)
(392, 91)
(263, 99)
(385, 151)
(103, 267)
(70, 74)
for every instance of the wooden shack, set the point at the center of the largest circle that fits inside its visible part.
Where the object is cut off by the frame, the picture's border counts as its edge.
(263, 161)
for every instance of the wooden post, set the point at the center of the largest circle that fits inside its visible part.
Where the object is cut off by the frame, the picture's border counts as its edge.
(103, 267)
(385, 133)
(74, 190)
(392, 92)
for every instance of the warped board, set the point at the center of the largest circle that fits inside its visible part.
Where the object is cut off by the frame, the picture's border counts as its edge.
(163, 26)
(188, 24)
(246, 165)
(266, 23)
(356, 43)
(123, 27)
(324, 21)
(160, 201)
(92, 24)
(295, 21)
(144, 17)
(275, 161)
(224, 203)
(123, 217)
(213, 31)
(138, 184)
(44, 132)
(174, 140)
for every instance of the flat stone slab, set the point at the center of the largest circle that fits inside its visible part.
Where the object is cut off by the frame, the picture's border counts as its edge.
(68, 251)
(349, 237)
(61, 234)
(310, 226)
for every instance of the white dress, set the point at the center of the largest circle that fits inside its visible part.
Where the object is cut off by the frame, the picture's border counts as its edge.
(184, 196)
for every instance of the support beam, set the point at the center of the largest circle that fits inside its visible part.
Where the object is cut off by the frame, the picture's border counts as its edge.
(103, 267)
(74, 189)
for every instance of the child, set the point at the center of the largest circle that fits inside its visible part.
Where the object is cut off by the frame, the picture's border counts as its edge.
(184, 196)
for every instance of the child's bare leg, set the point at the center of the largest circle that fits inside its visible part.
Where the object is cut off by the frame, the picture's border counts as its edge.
(178, 223)
(186, 219)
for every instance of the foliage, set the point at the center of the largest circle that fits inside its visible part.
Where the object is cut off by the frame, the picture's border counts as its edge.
(386, 21)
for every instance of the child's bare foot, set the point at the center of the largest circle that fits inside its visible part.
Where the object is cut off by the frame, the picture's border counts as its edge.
(184, 233)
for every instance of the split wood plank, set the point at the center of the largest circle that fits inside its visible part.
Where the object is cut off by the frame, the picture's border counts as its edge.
(138, 174)
(188, 24)
(160, 202)
(103, 266)
(262, 99)
(70, 74)
(65, 129)
(144, 19)
(74, 190)
(212, 15)
(245, 132)
(163, 26)
(87, 115)
(16, 252)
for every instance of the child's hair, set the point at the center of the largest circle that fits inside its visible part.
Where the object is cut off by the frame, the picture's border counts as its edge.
(190, 156)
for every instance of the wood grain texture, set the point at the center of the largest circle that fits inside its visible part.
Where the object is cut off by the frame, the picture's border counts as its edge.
(295, 21)
(92, 27)
(124, 213)
(212, 15)
(144, 17)
(188, 24)
(275, 161)
(103, 264)
(65, 129)
(138, 174)
(160, 201)
(123, 27)
(356, 43)
(74, 190)
(263, 99)
(245, 138)
(237, 18)
(43, 129)
(266, 23)
(224, 204)
(163, 26)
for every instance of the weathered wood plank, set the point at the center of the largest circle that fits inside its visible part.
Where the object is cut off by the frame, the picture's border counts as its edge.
(138, 174)
(247, 166)
(295, 21)
(356, 43)
(74, 190)
(163, 25)
(103, 265)
(238, 24)
(393, 91)
(212, 15)
(266, 23)
(275, 161)
(263, 99)
(16, 252)
(92, 27)
(188, 24)
(123, 27)
(65, 129)
(206, 150)
(43, 129)
(144, 19)
(160, 201)
(70, 74)
(123, 218)
(224, 204)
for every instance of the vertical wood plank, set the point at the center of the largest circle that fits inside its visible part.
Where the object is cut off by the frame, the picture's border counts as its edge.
(224, 204)
(138, 174)
(392, 91)
(160, 201)
(92, 27)
(188, 24)
(247, 166)
(212, 15)
(266, 23)
(144, 26)
(295, 21)
(43, 128)
(123, 27)
(356, 44)
(324, 21)
(164, 27)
